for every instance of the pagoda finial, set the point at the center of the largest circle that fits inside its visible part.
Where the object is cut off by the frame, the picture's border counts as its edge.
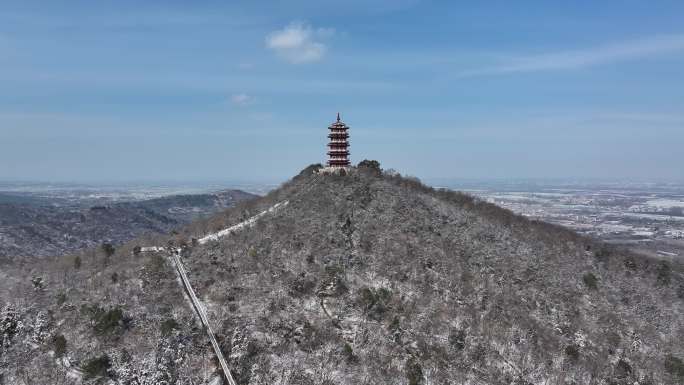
(338, 116)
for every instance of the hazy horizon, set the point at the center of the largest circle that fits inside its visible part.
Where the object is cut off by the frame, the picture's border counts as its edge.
(123, 181)
(177, 91)
(275, 181)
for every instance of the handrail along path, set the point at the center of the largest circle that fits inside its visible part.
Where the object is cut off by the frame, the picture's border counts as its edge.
(203, 316)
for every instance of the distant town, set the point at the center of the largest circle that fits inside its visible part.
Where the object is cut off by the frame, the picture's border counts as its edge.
(647, 217)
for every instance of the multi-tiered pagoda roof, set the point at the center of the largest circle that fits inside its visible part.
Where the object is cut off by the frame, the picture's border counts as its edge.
(338, 147)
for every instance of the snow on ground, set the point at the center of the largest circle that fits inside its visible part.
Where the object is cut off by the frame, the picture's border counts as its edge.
(665, 203)
(615, 228)
(667, 253)
(641, 233)
(653, 217)
(248, 223)
(151, 249)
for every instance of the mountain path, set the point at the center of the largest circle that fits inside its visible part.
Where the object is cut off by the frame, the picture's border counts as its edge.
(183, 275)
(199, 309)
(247, 223)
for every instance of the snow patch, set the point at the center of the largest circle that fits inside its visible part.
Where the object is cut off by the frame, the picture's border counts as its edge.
(248, 223)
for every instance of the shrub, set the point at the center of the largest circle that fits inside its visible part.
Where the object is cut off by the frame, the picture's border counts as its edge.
(309, 170)
(394, 325)
(61, 298)
(300, 377)
(155, 264)
(674, 366)
(109, 321)
(348, 353)
(630, 263)
(373, 164)
(613, 338)
(108, 249)
(623, 369)
(457, 339)
(60, 344)
(105, 322)
(315, 335)
(169, 325)
(572, 351)
(603, 253)
(366, 242)
(664, 271)
(366, 297)
(38, 283)
(302, 285)
(243, 365)
(478, 354)
(370, 166)
(97, 367)
(414, 372)
(375, 302)
(590, 281)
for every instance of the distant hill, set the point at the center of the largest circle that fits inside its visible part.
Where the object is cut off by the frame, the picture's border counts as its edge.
(185, 208)
(19, 199)
(31, 226)
(368, 278)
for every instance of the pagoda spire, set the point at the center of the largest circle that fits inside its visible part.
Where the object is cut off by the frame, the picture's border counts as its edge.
(338, 116)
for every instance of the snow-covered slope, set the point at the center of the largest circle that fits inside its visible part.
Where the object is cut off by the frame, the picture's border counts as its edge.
(360, 279)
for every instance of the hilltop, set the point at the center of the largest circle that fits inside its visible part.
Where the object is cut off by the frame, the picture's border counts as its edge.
(367, 278)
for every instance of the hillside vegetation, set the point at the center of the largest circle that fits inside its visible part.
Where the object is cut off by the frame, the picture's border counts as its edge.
(367, 278)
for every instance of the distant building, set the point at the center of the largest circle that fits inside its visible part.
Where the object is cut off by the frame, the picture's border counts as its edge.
(338, 147)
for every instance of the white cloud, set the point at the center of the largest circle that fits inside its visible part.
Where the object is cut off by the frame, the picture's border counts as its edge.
(299, 43)
(567, 60)
(241, 100)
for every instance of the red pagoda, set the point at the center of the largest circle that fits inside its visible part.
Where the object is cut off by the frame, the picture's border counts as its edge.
(338, 147)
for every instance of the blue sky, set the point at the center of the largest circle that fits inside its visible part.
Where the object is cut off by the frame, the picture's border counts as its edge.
(209, 90)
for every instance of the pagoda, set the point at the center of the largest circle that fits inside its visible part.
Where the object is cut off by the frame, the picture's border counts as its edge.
(338, 147)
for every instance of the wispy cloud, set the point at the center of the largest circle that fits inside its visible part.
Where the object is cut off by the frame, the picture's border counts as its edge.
(567, 60)
(299, 43)
(241, 100)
